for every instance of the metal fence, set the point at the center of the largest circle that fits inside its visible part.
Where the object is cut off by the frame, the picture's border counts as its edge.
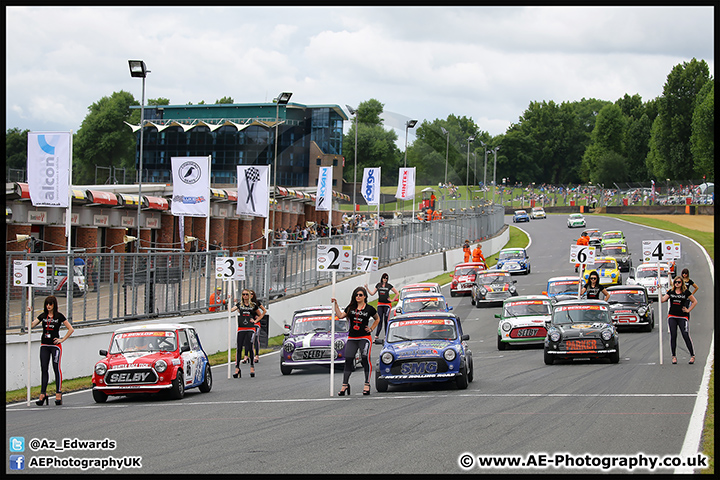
(117, 287)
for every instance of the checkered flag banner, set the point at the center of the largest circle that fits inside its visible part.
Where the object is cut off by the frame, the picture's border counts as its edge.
(253, 190)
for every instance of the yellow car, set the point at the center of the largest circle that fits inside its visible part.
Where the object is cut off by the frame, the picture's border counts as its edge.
(607, 268)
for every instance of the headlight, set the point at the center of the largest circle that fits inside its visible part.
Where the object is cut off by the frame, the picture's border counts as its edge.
(482, 291)
(555, 336)
(100, 368)
(339, 345)
(288, 346)
(387, 358)
(506, 326)
(449, 354)
(642, 311)
(606, 335)
(161, 366)
(512, 289)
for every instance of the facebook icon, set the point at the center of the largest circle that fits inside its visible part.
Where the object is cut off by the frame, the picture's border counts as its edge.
(17, 462)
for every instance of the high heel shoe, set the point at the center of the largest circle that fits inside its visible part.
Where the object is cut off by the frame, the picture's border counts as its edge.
(42, 401)
(674, 360)
(252, 372)
(366, 391)
(345, 390)
(58, 401)
(238, 373)
(692, 360)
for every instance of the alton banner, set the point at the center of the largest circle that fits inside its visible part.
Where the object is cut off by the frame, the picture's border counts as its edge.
(48, 167)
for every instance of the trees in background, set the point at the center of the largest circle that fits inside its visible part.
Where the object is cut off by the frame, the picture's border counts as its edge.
(591, 140)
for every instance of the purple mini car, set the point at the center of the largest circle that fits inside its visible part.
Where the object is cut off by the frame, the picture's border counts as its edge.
(308, 337)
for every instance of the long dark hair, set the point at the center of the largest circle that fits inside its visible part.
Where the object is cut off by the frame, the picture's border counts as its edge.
(353, 301)
(596, 275)
(51, 299)
(386, 277)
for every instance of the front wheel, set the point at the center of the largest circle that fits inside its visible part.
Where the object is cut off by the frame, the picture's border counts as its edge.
(99, 396)
(615, 357)
(500, 344)
(462, 380)
(549, 359)
(178, 386)
(380, 384)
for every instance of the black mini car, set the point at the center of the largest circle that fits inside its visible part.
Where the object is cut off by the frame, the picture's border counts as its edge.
(620, 253)
(631, 307)
(581, 329)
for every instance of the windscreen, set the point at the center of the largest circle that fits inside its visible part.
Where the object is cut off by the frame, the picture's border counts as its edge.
(581, 314)
(421, 329)
(143, 341)
(318, 323)
(527, 307)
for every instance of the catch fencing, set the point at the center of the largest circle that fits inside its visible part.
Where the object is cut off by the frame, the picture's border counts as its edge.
(119, 287)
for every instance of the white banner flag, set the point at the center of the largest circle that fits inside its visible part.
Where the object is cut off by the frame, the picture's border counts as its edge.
(191, 186)
(370, 188)
(323, 199)
(253, 190)
(48, 168)
(406, 184)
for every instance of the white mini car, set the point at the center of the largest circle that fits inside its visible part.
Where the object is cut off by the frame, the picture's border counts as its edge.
(576, 220)
(537, 212)
(523, 320)
(646, 275)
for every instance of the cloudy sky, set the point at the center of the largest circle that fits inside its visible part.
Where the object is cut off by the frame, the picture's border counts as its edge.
(423, 63)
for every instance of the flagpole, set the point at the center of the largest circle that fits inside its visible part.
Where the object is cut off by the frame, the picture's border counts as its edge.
(68, 235)
(207, 233)
(332, 338)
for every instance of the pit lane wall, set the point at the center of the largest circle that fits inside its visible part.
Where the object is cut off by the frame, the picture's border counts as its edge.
(80, 351)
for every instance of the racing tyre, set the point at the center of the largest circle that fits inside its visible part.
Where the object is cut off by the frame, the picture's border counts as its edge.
(478, 304)
(549, 360)
(99, 396)
(462, 380)
(615, 357)
(471, 370)
(285, 370)
(206, 385)
(380, 384)
(178, 387)
(501, 345)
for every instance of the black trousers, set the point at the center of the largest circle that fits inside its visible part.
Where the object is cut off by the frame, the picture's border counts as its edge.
(48, 353)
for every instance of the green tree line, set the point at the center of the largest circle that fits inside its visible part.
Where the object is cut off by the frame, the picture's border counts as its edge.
(590, 140)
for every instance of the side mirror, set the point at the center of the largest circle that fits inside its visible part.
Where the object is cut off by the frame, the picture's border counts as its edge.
(450, 307)
(103, 353)
(465, 337)
(514, 281)
(185, 348)
(497, 315)
(287, 330)
(544, 293)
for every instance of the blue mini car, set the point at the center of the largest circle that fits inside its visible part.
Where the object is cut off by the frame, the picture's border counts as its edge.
(424, 347)
(521, 216)
(513, 260)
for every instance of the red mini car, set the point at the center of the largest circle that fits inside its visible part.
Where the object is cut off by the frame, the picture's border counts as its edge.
(152, 359)
(463, 278)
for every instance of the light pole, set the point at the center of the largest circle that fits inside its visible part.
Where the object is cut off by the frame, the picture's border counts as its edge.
(408, 124)
(495, 170)
(354, 113)
(447, 150)
(471, 138)
(281, 99)
(138, 69)
(484, 173)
